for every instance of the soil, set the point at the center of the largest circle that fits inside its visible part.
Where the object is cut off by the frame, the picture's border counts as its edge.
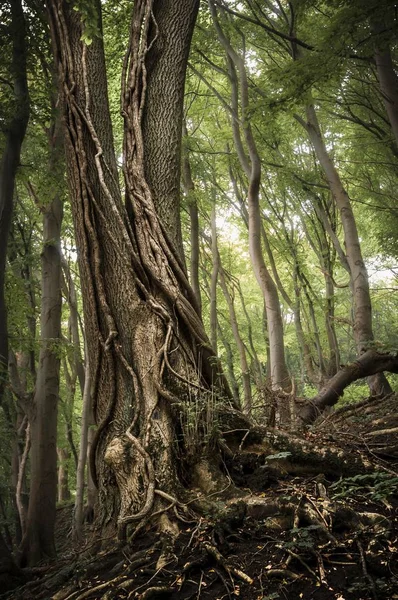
(324, 539)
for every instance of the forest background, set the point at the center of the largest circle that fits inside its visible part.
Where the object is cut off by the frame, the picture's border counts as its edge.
(285, 223)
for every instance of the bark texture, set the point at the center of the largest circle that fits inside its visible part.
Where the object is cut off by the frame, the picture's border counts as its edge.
(149, 355)
(170, 35)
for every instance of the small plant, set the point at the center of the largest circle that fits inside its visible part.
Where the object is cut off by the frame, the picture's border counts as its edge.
(377, 486)
(302, 539)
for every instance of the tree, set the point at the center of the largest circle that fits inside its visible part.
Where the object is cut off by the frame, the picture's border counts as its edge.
(38, 541)
(15, 128)
(148, 352)
(251, 164)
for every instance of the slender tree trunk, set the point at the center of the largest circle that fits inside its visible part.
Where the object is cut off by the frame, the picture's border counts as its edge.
(38, 541)
(304, 350)
(71, 297)
(334, 351)
(244, 366)
(313, 323)
(363, 332)
(21, 505)
(229, 359)
(388, 82)
(368, 364)
(189, 188)
(256, 365)
(92, 492)
(214, 279)
(81, 465)
(15, 132)
(63, 475)
(252, 167)
(386, 74)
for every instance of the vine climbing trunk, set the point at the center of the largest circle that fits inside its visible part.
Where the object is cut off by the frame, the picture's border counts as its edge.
(148, 352)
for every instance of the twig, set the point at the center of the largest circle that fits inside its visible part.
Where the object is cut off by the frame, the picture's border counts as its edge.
(212, 550)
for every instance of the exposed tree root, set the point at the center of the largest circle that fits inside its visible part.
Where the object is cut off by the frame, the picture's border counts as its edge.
(274, 531)
(233, 571)
(251, 545)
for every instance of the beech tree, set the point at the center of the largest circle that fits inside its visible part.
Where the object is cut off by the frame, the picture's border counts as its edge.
(148, 352)
(15, 128)
(169, 433)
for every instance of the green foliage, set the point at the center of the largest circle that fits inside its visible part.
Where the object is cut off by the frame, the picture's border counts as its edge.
(90, 20)
(377, 486)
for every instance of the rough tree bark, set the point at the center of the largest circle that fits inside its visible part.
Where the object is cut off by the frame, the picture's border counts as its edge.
(15, 132)
(148, 352)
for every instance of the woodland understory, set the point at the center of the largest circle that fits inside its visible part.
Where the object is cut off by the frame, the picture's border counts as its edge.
(318, 520)
(198, 299)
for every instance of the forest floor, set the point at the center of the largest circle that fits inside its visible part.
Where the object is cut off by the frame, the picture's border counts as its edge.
(325, 538)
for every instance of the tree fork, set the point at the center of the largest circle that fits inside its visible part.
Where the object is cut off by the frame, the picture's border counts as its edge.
(148, 351)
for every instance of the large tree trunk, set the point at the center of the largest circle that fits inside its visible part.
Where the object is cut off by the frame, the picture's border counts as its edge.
(38, 541)
(148, 351)
(171, 32)
(15, 132)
